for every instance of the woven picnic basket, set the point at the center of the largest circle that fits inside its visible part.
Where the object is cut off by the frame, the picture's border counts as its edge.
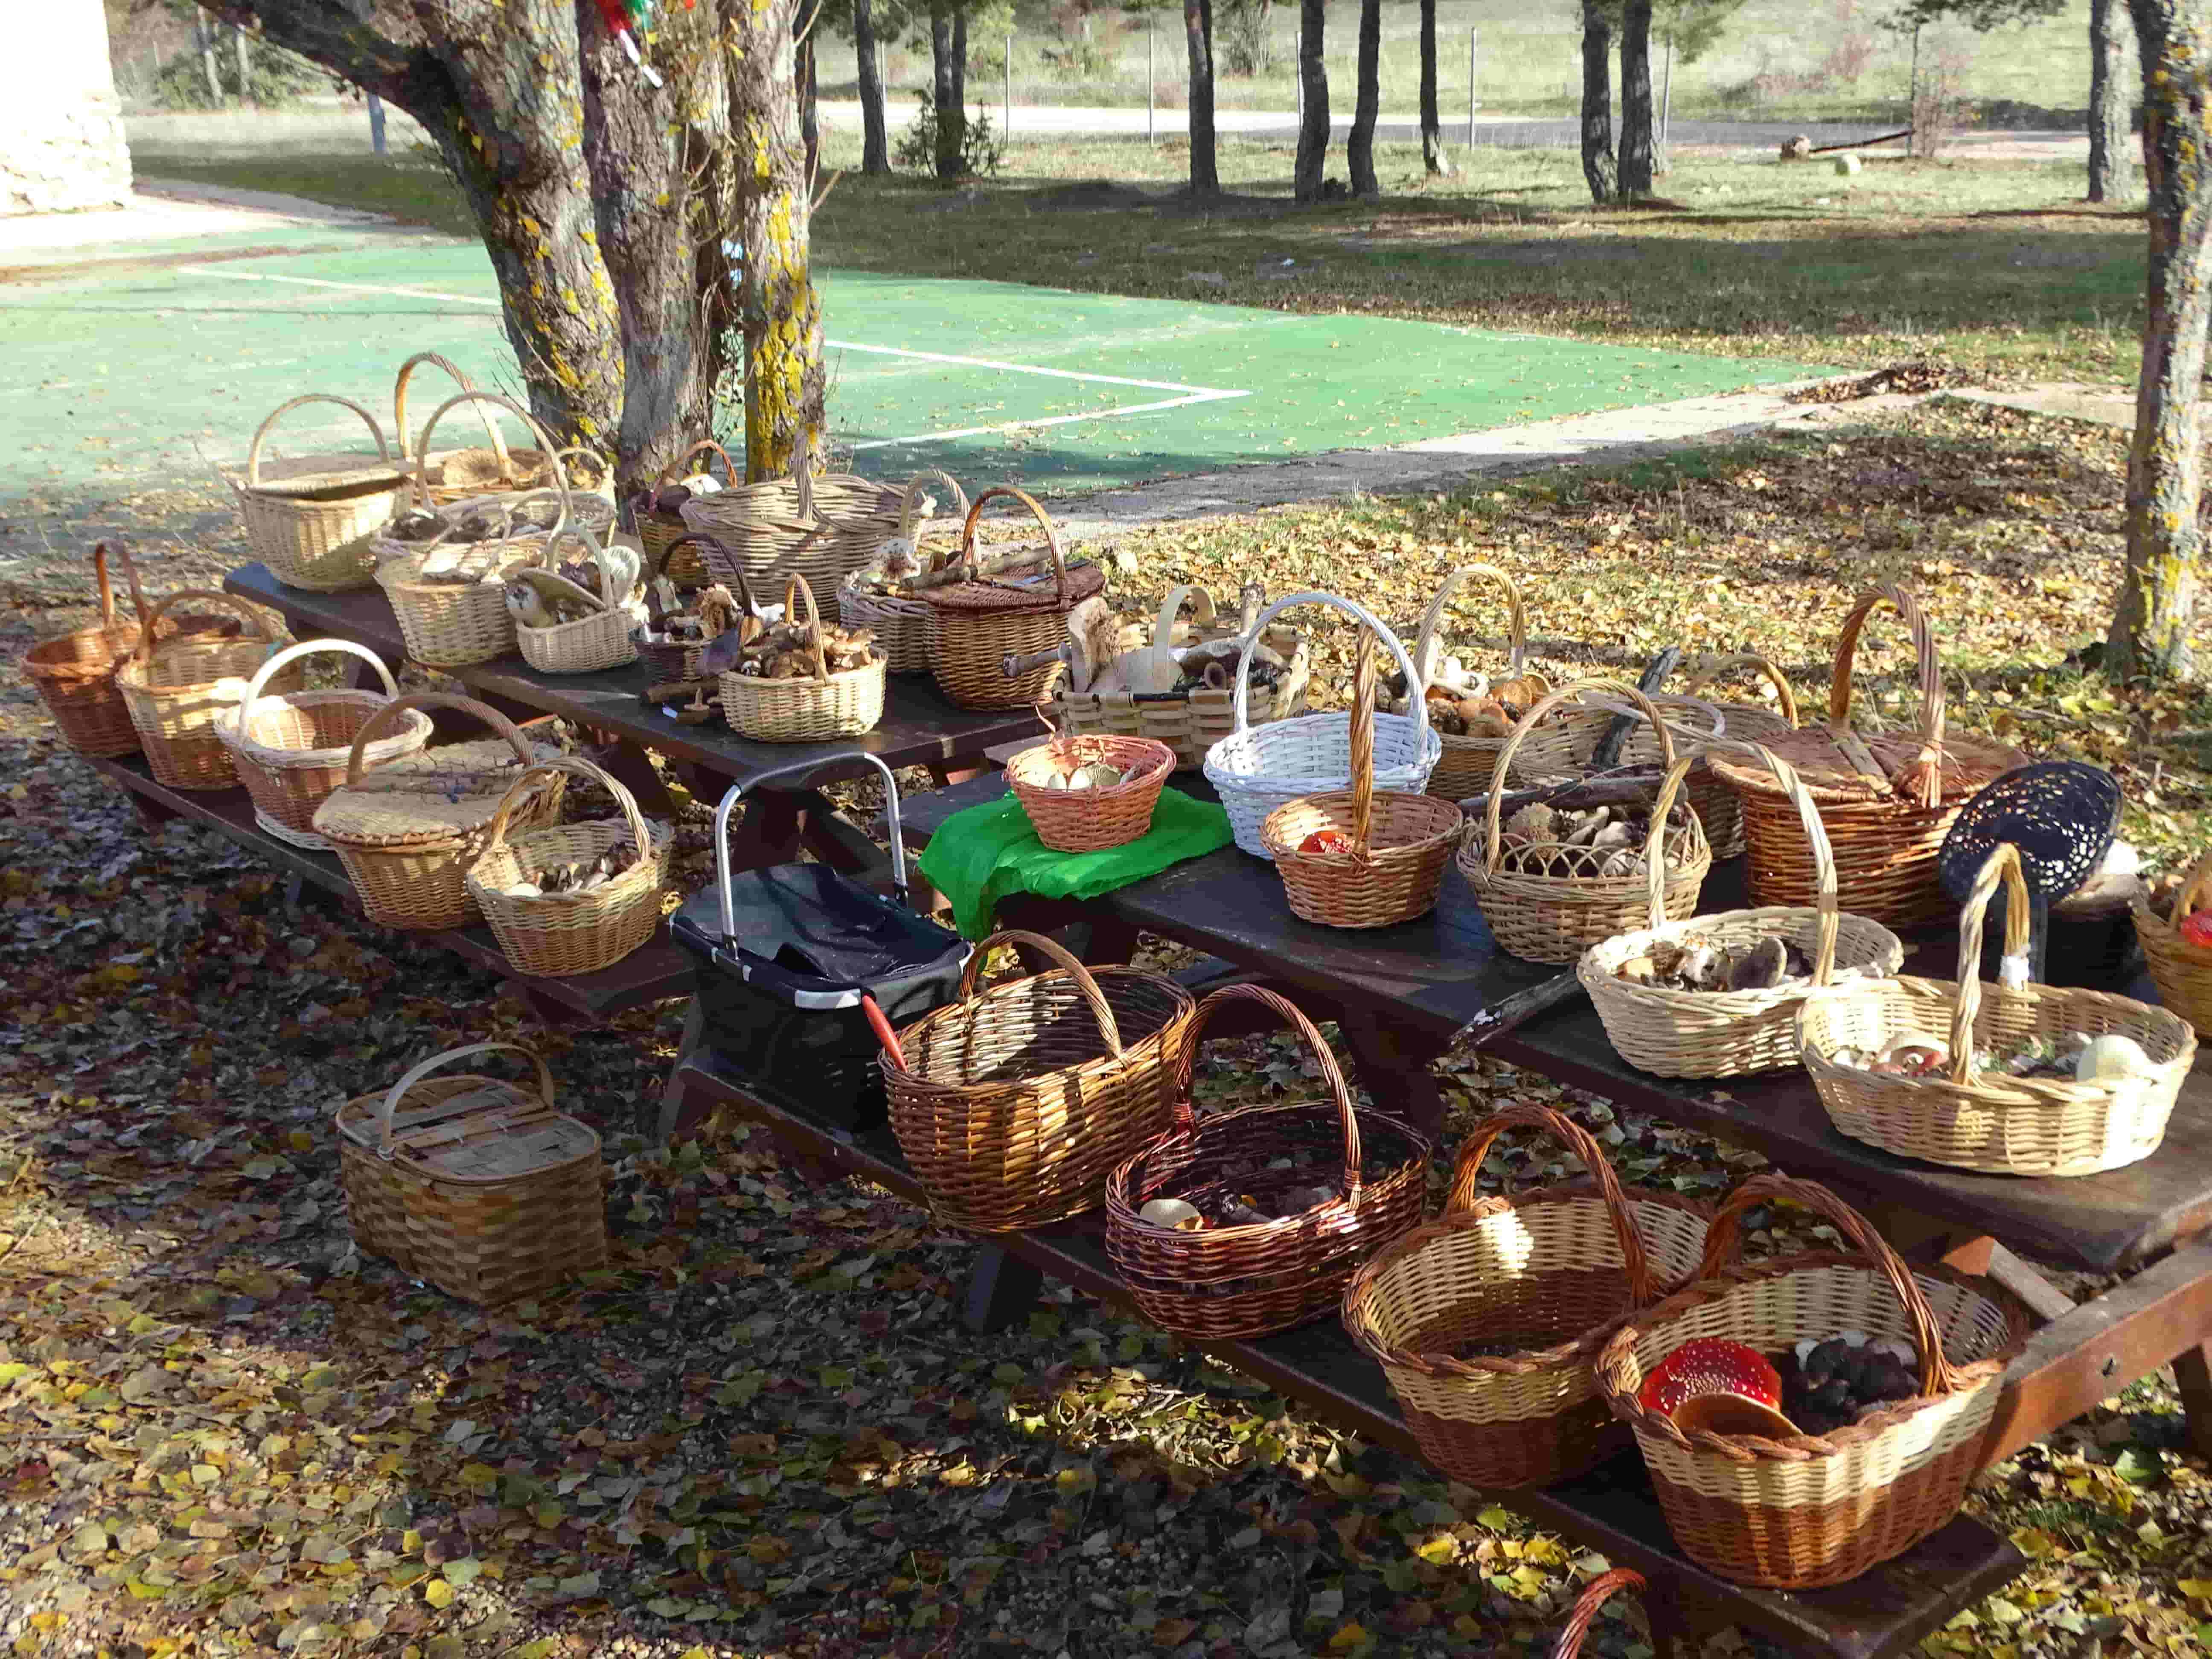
(822, 526)
(1464, 764)
(605, 639)
(557, 934)
(1961, 1115)
(1709, 1034)
(661, 530)
(1555, 913)
(291, 750)
(1399, 841)
(1256, 769)
(179, 688)
(1192, 722)
(1091, 819)
(1256, 1278)
(309, 519)
(407, 831)
(1532, 1281)
(1595, 1593)
(471, 1184)
(827, 706)
(1008, 612)
(902, 621)
(1716, 805)
(460, 475)
(1013, 1104)
(2182, 971)
(1818, 1510)
(75, 673)
(1888, 799)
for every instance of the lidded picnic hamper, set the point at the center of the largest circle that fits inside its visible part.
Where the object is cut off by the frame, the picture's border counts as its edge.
(817, 709)
(1888, 799)
(1728, 1033)
(605, 637)
(902, 621)
(1716, 805)
(471, 1184)
(291, 750)
(1091, 818)
(1556, 900)
(1958, 1112)
(1349, 1180)
(459, 475)
(1015, 610)
(1379, 854)
(582, 929)
(309, 519)
(1485, 1320)
(1817, 1509)
(1466, 761)
(75, 673)
(1014, 1103)
(2181, 969)
(658, 517)
(180, 687)
(406, 831)
(1595, 1593)
(1256, 769)
(822, 526)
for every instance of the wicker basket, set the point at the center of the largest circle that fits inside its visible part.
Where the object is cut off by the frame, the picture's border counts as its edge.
(1709, 1034)
(447, 625)
(1595, 1593)
(1885, 837)
(1541, 1276)
(605, 639)
(901, 622)
(408, 832)
(75, 673)
(841, 705)
(1252, 1280)
(1091, 820)
(1973, 1120)
(1400, 843)
(472, 1184)
(2182, 971)
(1555, 914)
(181, 689)
(557, 934)
(1189, 722)
(1256, 769)
(311, 525)
(981, 622)
(661, 531)
(1464, 766)
(1716, 805)
(1818, 1509)
(460, 475)
(1566, 745)
(1013, 1104)
(822, 527)
(291, 751)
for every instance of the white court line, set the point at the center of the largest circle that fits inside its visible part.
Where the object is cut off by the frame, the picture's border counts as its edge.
(1192, 394)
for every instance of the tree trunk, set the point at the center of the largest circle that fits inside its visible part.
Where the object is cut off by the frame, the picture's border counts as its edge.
(810, 113)
(1598, 165)
(241, 52)
(204, 37)
(1313, 113)
(960, 61)
(1433, 158)
(1367, 107)
(1198, 34)
(875, 143)
(945, 92)
(2108, 104)
(2158, 588)
(1636, 147)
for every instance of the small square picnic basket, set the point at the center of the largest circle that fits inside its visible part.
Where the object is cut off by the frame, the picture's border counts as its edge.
(605, 638)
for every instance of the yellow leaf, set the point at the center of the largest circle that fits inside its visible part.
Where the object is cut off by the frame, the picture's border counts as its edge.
(2197, 1589)
(300, 1141)
(766, 1549)
(1347, 1639)
(437, 1592)
(1437, 1551)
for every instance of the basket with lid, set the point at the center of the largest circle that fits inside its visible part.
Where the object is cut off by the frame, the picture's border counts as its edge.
(406, 831)
(658, 514)
(471, 1183)
(1812, 1509)
(1485, 1320)
(1467, 758)
(902, 620)
(459, 475)
(180, 689)
(1015, 609)
(309, 519)
(813, 707)
(823, 527)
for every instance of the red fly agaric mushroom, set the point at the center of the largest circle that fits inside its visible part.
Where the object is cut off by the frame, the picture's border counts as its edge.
(1709, 1364)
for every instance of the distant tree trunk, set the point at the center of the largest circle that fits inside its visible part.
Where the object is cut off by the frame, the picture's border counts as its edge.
(1367, 109)
(810, 112)
(1433, 158)
(204, 37)
(875, 145)
(2166, 476)
(1313, 121)
(241, 51)
(2108, 104)
(1637, 162)
(960, 62)
(1198, 32)
(1598, 165)
(945, 92)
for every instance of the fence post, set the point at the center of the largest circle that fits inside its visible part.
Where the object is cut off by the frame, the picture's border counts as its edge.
(375, 123)
(1474, 40)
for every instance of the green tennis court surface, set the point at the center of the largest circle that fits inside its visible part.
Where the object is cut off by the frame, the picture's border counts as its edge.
(132, 374)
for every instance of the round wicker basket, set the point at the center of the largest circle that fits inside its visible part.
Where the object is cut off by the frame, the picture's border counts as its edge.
(845, 704)
(180, 689)
(311, 528)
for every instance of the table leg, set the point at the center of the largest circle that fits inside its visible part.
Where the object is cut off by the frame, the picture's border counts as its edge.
(1672, 1634)
(1002, 1289)
(943, 774)
(1393, 1064)
(768, 832)
(633, 769)
(152, 814)
(2192, 1377)
(676, 1113)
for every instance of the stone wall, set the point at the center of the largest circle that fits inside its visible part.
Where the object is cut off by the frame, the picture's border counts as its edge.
(61, 129)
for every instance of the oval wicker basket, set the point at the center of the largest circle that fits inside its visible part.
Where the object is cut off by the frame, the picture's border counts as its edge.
(459, 475)
(822, 527)
(2182, 971)
(1535, 1280)
(983, 620)
(1715, 803)
(1092, 820)
(1464, 764)
(661, 531)
(181, 689)
(902, 622)
(845, 704)
(1013, 1104)
(1818, 1509)
(312, 531)
(1970, 1119)
(605, 639)
(75, 673)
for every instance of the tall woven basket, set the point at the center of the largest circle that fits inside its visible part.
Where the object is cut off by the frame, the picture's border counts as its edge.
(1708, 1034)
(1818, 1510)
(291, 750)
(1961, 1115)
(661, 530)
(1531, 1284)
(75, 673)
(1247, 1279)
(471, 1184)
(181, 689)
(1465, 762)
(458, 475)
(1715, 803)
(902, 622)
(822, 527)
(309, 519)
(827, 706)
(2181, 970)
(1013, 1104)
(981, 622)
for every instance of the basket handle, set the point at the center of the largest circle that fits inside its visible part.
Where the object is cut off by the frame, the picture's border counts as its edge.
(397, 1093)
(1078, 974)
(2192, 887)
(1595, 1593)
(108, 587)
(1051, 535)
(312, 648)
(679, 468)
(1202, 612)
(910, 501)
(389, 716)
(1428, 643)
(253, 453)
(1824, 860)
(100, 552)
(1723, 1248)
(575, 533)
(142, 652)
(2002, 865)
(1494, 852)
(1463, 1195)
(795, 589)
(1902, 601)
(1362, 740)
(399, 404)
(802, 473)
(524, 787)
(600, 464)
(1655, 838)
(1706, 670)
(1351, 608)
(1185, 1121)
(477, 400)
